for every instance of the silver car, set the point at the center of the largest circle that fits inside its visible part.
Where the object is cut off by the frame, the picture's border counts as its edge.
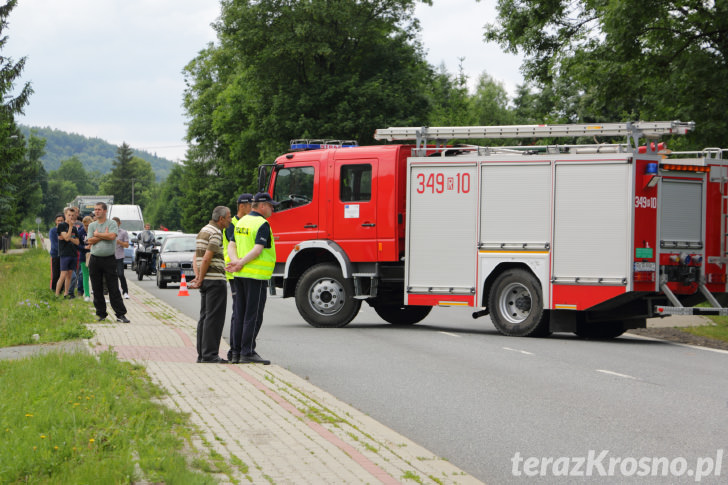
(175, 257)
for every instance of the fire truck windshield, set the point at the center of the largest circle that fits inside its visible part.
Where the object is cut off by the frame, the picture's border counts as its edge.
(293, 187)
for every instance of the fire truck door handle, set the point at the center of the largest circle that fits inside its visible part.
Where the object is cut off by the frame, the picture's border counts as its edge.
(368, 224)
(310, 226)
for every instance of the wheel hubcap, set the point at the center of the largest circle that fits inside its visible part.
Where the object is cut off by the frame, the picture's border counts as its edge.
(515, 303)
(326, 296)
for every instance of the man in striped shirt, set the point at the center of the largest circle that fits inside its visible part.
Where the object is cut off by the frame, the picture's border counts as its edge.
(209, 267)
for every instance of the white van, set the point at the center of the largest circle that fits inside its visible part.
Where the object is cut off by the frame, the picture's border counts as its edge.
(130, 216)
(132, 221)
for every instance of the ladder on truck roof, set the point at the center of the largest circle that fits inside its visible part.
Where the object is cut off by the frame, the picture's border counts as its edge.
(634, 130)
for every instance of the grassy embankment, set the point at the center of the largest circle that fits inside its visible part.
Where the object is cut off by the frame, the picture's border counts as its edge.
(718, 331)
(76, 417)
(30, 308)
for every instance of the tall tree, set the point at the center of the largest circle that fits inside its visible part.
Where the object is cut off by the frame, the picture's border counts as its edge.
(164, 206)
(449, 98)
(489, 103)
(288, 69)
(72, 170)
(143, 181)
(60, 193)
(36, 151)
(30, 175)
(119, 181)
(12, 147)
(632, 59)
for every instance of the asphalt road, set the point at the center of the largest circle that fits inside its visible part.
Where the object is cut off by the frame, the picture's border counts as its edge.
(490, 403)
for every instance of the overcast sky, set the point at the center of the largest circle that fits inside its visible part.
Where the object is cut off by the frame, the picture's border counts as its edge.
(112, 69)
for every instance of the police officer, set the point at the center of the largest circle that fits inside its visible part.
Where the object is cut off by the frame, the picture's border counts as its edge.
(228, 235)
(252, 259)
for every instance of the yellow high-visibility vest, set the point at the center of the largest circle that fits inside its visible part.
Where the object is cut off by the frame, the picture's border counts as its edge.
(225, 243)
(260, 268)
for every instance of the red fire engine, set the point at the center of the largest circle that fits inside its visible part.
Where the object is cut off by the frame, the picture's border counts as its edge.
(591, 239)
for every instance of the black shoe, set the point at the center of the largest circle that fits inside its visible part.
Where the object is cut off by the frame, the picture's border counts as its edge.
(253, 358)
(101, 319)
(235, 357)
(122, 319)
(216, 360)
(70, 296)
(199, 359)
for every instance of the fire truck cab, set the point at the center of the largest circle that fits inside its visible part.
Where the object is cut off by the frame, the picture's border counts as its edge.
(591, 239)
(339, 231)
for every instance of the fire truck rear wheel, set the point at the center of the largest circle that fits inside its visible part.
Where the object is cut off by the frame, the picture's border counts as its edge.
(325, 298)
(516, 305)
(402, 314)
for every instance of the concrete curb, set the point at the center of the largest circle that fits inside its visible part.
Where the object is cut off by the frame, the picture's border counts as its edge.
(284, 429)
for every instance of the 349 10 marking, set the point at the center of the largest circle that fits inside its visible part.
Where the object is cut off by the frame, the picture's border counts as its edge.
(437, 183)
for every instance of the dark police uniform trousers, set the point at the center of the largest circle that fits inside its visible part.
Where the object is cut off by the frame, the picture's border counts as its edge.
(254, 293)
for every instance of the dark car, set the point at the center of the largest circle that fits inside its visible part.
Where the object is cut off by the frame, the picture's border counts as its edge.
(175, 257)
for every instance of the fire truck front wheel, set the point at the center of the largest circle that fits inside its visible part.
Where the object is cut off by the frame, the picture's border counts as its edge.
(516, 305)
(325, 298)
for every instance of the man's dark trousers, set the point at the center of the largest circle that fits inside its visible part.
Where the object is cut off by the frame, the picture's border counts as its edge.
(213, 303)
(55, 271)
(236, 323)
(254, 293)
(122, 277)
(100, 268)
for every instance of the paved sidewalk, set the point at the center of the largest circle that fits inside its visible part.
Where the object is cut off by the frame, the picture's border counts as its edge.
(285, 430)
(679, 321)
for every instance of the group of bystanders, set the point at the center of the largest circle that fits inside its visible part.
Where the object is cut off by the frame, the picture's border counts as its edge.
(27, 238)
(86, 252)
(239, 250)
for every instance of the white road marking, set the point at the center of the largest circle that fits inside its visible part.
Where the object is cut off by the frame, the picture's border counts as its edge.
(696, 347)
(517, 350)
(612, 373)
(450, 334)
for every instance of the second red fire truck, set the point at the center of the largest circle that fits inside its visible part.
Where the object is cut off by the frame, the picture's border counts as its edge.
(591, 239)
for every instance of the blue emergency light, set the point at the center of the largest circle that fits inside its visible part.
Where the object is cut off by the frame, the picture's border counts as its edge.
(303, 144)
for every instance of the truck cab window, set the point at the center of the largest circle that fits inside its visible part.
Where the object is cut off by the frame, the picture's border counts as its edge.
(356, 183)
(293, 187)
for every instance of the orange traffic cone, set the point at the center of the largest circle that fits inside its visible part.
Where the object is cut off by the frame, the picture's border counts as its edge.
(183, 287)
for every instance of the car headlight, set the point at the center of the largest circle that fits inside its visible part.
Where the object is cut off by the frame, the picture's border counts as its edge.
(173, 264)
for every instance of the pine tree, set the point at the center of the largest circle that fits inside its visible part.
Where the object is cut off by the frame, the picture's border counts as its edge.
(119, 182)
(12, 147)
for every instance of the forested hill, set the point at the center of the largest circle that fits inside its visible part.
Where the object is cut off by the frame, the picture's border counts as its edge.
(95, 154)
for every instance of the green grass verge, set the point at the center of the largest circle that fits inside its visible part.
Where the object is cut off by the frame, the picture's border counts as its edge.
(718, 331)
(29, 307)
(76, 418)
